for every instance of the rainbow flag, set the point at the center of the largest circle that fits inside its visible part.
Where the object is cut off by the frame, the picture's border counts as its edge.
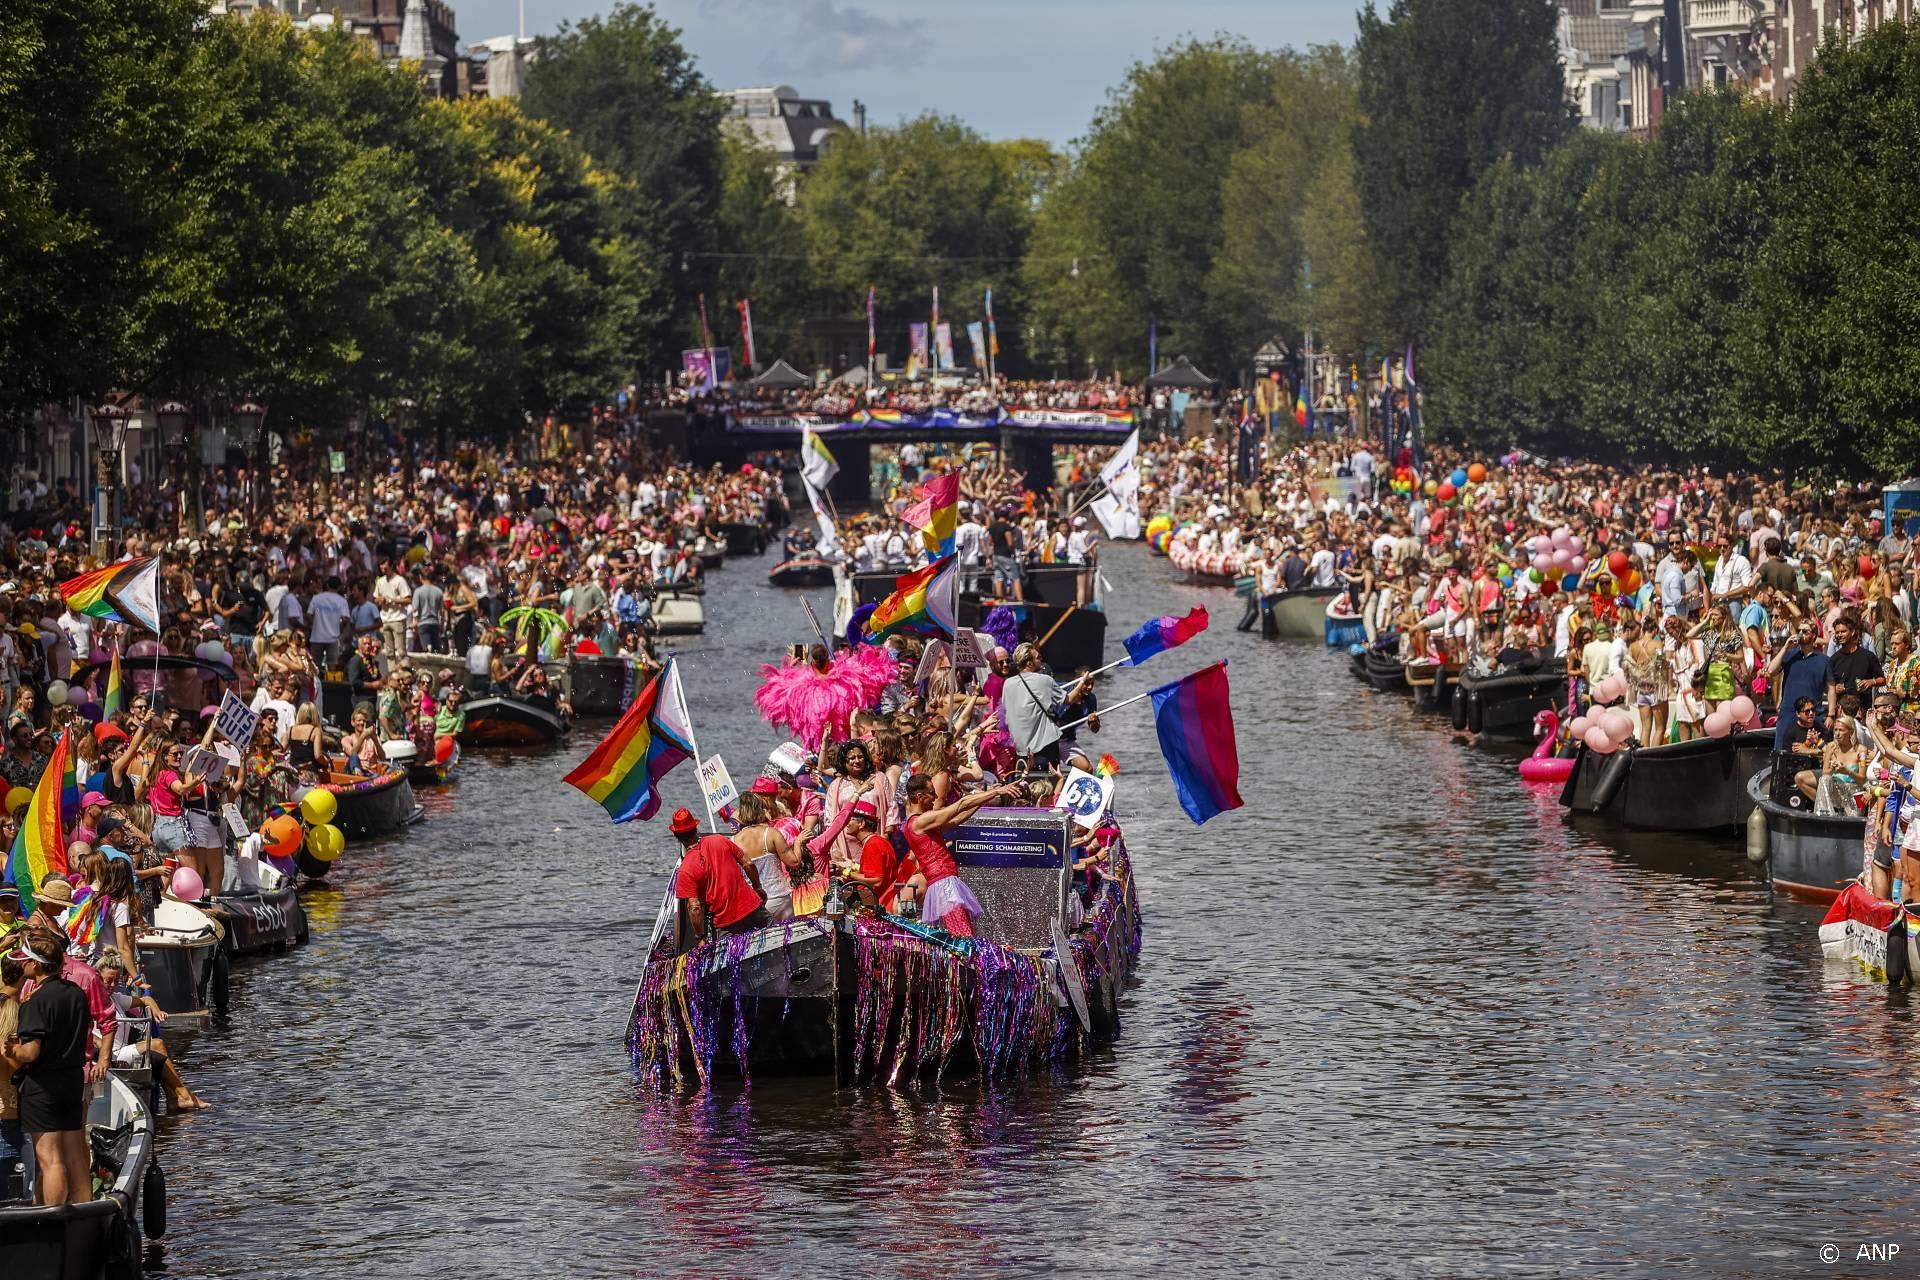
(1193, 719)
(40, 847)
(886, 417)
(115, 699)
(69, 798)
(924, 602)
(123, 592)
(1164, 633)
(936, 513)
(82, 919)
(1300, 408)
(622, 773)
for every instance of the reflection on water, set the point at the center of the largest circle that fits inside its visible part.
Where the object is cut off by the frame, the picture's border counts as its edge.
(1395, 1016)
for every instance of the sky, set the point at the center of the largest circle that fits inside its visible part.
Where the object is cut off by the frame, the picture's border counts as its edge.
(1009, 68)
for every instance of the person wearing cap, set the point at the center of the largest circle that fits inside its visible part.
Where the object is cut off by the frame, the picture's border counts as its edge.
(882, 870)
(47, 1053)
(93, 806)
(716, 881)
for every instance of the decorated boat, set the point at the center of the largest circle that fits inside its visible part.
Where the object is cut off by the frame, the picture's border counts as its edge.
(256, 921)
(1698, 785)
(98, 1236)
(178, 952)
(377, 804)
(801, 571)
(874, 997)
(1221, 568)
(1808, 855)
(1503, 705)
(1061, 609)
(511, 722)
(1876, 936)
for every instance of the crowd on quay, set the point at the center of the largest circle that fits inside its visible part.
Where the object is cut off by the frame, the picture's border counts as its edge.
(970, 393)
(317, 577)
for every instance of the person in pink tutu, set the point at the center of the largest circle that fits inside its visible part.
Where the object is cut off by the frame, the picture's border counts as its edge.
(944, 897)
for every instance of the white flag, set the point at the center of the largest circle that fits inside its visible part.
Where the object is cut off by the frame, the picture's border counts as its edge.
(817, 464)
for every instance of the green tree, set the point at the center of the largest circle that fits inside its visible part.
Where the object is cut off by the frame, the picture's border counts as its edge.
(627, 90)
(928, 204)
(1154, 165)
(1080, 316)
(762, 249)
(1448, 88)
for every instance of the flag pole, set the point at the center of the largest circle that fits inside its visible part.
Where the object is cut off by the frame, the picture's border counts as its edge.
(1097, 671)
(680, 696)
(1138, 697)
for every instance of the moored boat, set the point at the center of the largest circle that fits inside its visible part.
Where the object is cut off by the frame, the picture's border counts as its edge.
(1503, 705)
(1808, 855)
(178, 951)
(1344, 629)
(1299, 614)
(877, 997)
(374, 805)
(801, 571)
(1698, 785)
(743, 538)
(510, 722)
(1431, 684)
(1385, 672)
(678, 613)
(257, 921)
(1877, 936)
(94, 1237)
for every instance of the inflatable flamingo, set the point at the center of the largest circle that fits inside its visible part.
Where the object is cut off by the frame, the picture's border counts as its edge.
(1543, 765)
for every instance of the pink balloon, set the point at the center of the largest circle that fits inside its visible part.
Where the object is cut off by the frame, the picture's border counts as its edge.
(1741, 709)
(1542, 561)
(1561, 535)
(1718, 724)
(1618, 725)
(186, 884)
(1578, 729)
(1576, 544)
(1578, 563)
(1598, 742)
(1561, 559)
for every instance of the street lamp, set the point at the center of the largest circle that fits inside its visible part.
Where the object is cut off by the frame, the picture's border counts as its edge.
(404, 422)
(247, 418)
(109, 440)
(173, 418)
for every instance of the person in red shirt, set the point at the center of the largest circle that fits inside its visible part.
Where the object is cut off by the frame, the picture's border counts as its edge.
(717, 882)
(880, 871)
(945, 898)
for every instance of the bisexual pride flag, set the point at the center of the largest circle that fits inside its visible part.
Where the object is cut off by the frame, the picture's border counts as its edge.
(1194, 721)
(1164, 633)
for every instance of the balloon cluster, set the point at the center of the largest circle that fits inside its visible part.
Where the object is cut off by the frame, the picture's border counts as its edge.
(1557, 559)
(1603, 731)
(311, 826)
(1160, 533)
(1734, 713)
(210, 651)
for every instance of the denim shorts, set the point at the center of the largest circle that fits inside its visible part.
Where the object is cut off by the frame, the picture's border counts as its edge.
(171, 833)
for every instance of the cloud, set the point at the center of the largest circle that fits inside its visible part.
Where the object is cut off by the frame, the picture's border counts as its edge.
(826, 38)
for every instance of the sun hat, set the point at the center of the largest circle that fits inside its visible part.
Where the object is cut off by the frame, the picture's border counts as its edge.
(57, 892)
(683, 822)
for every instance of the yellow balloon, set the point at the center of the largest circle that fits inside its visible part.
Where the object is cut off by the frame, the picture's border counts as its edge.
(18, 798)
(326, 842)
(416, 554)
(318, 806)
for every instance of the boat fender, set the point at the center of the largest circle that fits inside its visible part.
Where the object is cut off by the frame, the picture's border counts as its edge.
(1457, 707)
(222, 978)
(1757, 835)
(1476, 711)
(1613, 775)
(153, 1201)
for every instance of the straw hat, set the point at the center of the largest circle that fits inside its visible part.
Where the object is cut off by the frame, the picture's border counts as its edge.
(55, 893)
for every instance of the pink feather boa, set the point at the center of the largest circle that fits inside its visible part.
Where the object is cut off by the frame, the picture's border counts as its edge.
(871, 667)
(798, 698)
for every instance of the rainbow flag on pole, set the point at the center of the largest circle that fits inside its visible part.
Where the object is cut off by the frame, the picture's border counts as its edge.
(622, 773)
(937, 513)
(123, 592)
(1193, 718)
(115, 698)
(924, 602)
(40, 846)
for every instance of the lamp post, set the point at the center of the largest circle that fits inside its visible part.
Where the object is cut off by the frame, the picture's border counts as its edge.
(109, 440)
(173, 418)
(247, 419)
(403, 422)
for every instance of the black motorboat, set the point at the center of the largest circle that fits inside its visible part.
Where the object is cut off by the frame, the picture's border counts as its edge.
(1384, 671)
(1697, 785)
(744, 539)
(374, 805)
(1503, 705)
(178, 951)
(511, 722)
(1808, 855)
(1431, 685)
(258, 921)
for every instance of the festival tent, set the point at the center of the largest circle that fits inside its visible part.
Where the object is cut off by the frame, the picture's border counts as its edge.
(780, 376)
(854, 377)
(1181, 376)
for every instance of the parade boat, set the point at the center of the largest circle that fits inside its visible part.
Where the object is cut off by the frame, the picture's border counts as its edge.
(374, 805)
(1343, 629)
(801, 571)
(1503, 705)
(95, 1237)
(1698, 785)
(1218, 568)
(874, 997)
(178, 951)
(1808, 855)
(1385, 671)
(1877, 936)
(511, 722)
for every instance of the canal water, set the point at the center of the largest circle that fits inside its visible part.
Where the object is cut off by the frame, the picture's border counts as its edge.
(1394, 1017)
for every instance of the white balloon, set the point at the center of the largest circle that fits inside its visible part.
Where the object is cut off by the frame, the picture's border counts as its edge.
(57, 693)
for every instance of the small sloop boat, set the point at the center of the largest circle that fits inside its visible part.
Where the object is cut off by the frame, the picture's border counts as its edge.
(178, 952)
(1808, 855)
(1878, 936)
(374, 805)
(1503, 705)
(801, 571)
